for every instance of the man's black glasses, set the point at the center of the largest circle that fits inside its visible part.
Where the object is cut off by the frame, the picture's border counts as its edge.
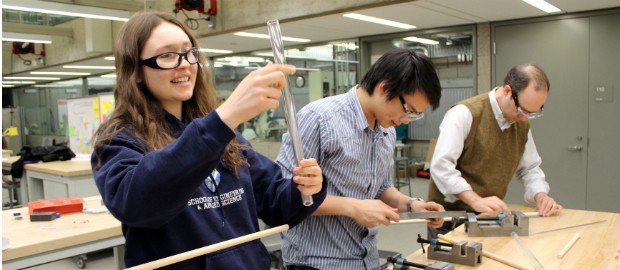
(521, 111)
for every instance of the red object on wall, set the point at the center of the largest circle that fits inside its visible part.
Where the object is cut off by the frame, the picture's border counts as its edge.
(67, 205)
(197, 5)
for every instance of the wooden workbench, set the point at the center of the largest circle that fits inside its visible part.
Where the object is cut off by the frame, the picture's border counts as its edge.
(6, 163)
(72, 234)
(60, 179)
(62, 168)
(7, 153)
(598, 248)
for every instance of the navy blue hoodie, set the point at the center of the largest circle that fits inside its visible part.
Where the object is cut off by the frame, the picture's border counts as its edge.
(180, 198)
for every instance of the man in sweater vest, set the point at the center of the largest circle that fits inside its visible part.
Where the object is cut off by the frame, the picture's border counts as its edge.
(486, 140)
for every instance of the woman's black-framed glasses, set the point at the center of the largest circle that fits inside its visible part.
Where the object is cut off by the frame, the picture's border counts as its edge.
(525, 113)
(170, 60)
(412, 116)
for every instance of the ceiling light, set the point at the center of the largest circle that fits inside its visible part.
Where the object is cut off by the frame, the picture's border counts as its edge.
(378, 20)
(8, 85)
(422, 40)
(109, 58)
(70, 82)
(111, 75)
(50, 85)
(33, 78)
(21, 37)
(59, 73)
(543, 5)
(245, 34)
(21, 82)
(305, 69)
(62, 9)
(90, 67)
(214, 50)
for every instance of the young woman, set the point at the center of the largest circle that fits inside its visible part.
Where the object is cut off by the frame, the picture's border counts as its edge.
(169, 165)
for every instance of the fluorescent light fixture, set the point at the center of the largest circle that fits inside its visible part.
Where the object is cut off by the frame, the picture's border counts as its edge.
(378, 20)
(111, 75)
(292, 39)
(543, 5)
(33, 78)
(63, 9)
(89, 67)
(422, 40)
(59, 73)
(50, 85)
(7, 85)
(306, 69)
(21, 82)
(110, 58)
(243, 59)
(21, 37)
(214, 50)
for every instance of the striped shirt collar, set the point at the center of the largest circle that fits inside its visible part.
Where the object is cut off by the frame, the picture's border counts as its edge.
(356, 106)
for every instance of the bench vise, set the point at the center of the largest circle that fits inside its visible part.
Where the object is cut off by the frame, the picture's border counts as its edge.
(460, 253)
(501, 225)
(402, 264)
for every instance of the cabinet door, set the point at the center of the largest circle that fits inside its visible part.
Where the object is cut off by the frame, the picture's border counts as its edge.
(560, 48)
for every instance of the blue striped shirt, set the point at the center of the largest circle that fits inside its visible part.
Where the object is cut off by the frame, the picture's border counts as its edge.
(357, 161)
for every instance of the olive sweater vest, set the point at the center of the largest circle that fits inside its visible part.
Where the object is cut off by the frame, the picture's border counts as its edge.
(490, 156)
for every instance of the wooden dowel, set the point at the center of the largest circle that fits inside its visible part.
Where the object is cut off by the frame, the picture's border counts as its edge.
(409, 221)
(490, 255)
(532, 214)
(208, 249)
(569, 245)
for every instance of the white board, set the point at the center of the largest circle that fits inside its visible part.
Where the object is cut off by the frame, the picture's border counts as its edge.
(83, 119)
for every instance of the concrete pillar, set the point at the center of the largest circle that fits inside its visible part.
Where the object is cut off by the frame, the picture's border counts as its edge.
(483, 61)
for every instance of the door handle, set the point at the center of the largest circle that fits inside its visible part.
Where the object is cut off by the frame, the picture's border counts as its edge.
(576, 148)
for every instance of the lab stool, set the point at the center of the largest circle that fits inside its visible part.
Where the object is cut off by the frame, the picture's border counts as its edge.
(401, 164)
(11, 185)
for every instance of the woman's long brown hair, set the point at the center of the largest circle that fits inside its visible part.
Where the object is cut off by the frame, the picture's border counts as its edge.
(137, 111)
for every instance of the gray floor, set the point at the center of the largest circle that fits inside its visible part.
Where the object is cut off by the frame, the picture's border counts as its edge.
(397, 238)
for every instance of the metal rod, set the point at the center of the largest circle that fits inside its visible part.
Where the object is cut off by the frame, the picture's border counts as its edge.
(569, 227)
(418, 220)
(273, 26)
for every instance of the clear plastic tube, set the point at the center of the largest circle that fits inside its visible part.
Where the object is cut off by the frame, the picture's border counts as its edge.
(273, 26)
(528, 253)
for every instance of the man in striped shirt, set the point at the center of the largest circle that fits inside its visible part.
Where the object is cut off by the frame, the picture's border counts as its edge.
(352, 136)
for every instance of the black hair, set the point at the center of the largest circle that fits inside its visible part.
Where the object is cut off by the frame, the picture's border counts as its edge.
(404, 71)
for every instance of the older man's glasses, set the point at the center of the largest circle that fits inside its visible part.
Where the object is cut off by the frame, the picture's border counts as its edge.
(525, 113)
(171, 60)
(409, 115)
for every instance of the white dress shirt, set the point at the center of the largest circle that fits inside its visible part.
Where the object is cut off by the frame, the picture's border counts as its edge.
(454, 129)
